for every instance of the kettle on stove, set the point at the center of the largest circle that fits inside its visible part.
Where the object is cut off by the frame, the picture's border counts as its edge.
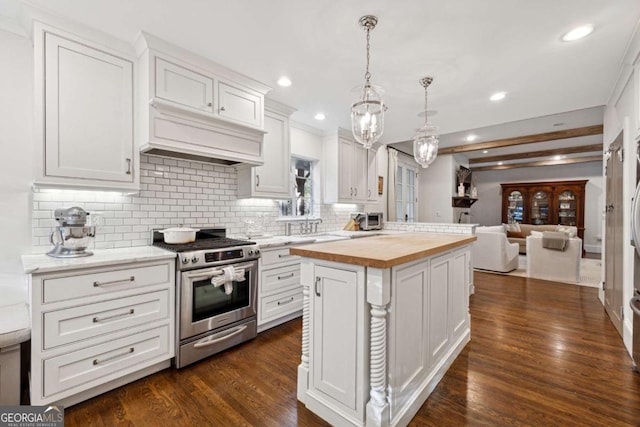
(72, 237)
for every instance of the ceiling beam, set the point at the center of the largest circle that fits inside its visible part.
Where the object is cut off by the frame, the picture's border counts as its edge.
(541, 153)
(538, 163)
(528, 139)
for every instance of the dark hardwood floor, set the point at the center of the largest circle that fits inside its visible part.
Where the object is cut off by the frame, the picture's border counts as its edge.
(541, 354)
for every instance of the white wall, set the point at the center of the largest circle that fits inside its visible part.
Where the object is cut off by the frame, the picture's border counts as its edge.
(436, 184)
(16, 165)
(488, 209)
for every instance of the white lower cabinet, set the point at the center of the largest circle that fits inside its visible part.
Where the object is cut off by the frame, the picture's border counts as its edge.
(97, 328)
(338, 338)
(279, 288)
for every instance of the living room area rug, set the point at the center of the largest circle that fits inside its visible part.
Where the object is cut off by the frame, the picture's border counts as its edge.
(589, 271)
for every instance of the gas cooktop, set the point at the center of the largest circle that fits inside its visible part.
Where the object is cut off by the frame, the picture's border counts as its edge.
(210, 238)
(210, 248)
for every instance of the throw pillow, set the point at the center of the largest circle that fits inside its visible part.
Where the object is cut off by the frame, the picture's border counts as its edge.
(517, 234)
(569, 230)
(535, 233)
(512, 227)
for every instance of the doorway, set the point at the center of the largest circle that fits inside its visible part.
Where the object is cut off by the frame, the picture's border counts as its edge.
(613, 233)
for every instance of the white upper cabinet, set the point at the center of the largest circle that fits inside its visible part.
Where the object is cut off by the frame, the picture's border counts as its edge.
(240, 105)
(184, 87)
(273, 178)
(346, 169)
(85, 109)
(372, 175)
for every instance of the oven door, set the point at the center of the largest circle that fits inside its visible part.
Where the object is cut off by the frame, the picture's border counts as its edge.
(204, 307)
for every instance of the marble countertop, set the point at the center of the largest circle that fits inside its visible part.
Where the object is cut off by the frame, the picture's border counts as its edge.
(41, 263)
(385, 250)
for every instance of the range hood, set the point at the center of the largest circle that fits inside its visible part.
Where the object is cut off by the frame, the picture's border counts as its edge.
(172, 133)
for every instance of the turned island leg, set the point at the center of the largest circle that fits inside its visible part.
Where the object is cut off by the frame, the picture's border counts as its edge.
(303, 369)
(378, 297)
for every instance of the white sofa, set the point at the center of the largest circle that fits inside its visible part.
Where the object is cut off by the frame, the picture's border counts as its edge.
(492, 251)
(550, 264)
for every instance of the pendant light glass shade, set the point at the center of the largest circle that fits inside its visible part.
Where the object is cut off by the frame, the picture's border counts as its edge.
(425, 141)
(367, 112)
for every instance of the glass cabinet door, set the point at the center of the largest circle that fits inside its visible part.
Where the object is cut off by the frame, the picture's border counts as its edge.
(567, 208)
(515, 210)
(540, 208)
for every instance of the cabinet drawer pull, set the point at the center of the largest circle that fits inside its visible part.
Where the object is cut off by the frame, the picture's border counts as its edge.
(115, 316)
(284, 255)
(355, 191)
(257, 180)
(368, 193)
(318, 279)
(286, 277)
(286, 302)
(113, 282)
(117, 356)
(351, 191)
(128, 166)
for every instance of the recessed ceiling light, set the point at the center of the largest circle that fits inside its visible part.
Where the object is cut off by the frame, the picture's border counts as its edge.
(498, 96)
(485, 151)
(471, 137)
(499, 163)
(284, 81)
(578, 33)
(319, 116)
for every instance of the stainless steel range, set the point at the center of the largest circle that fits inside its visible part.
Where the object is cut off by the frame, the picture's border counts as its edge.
(216, 293)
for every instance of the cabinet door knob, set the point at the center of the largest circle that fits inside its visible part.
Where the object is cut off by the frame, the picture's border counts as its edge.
(209, 104)
(222, 109)
(128, 166)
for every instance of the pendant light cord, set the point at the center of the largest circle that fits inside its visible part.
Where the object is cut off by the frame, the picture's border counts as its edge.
(367, 74)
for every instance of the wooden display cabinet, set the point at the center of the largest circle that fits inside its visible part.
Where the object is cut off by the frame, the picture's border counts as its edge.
(549, 202)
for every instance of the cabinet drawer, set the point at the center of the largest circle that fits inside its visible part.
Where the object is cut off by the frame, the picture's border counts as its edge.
(89, 367)
(277, 256)
(278, 305)
(280, 278)
(78, 323)
(84, 285)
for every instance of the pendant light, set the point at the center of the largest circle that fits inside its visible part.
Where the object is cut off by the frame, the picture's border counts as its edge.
(425, 141)
(367, 112)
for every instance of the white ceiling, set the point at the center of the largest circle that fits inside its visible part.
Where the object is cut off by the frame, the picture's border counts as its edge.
(472, 49)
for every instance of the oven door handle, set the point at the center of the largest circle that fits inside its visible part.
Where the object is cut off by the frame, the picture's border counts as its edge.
(235, 331)
(200, 275)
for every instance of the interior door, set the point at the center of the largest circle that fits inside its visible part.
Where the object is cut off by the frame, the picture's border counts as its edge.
(613, 239)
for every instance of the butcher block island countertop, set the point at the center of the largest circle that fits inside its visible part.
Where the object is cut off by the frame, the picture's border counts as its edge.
(384, 251)
(383, 319)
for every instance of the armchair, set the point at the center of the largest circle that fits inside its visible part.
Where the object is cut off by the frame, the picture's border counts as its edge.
(549, 264)
(492, 251)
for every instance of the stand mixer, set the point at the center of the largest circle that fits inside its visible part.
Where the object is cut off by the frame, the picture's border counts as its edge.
(72, 237)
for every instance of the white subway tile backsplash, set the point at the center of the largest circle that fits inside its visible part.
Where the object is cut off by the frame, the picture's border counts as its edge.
(174, 192)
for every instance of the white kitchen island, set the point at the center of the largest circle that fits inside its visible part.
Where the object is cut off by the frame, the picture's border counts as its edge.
(383, 319)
